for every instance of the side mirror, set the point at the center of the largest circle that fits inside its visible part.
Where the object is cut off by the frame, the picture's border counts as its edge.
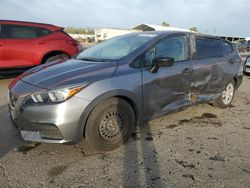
(161, 62)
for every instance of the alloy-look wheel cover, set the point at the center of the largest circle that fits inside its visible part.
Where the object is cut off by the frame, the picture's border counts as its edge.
(227, 94)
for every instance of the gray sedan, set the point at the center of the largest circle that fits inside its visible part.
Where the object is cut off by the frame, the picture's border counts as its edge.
(108, 89)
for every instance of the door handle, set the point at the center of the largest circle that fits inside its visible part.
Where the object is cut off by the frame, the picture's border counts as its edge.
(187, 70)
(41, 42)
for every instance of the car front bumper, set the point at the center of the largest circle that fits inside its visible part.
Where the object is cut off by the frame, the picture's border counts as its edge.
(55, 123)
(247, 69)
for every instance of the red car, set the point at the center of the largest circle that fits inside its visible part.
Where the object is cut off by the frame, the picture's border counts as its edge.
(27, 44)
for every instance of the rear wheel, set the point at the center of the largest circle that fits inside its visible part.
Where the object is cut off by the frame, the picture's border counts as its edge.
(110, 124)
(227, 95)
(56, 57)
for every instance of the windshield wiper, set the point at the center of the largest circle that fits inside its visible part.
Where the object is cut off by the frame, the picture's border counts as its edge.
(95, 59)
(87, 59)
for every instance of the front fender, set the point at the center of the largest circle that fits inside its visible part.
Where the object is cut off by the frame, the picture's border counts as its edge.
(126, 95)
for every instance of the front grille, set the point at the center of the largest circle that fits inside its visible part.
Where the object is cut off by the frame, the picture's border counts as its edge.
(46, 131)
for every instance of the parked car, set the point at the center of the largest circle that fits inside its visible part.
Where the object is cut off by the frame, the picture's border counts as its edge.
(27, 44)
(241, 47)
(247, 43)
(111, 87)
(246, 64)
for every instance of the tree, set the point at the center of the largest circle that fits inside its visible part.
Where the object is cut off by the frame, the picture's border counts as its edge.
(165, 24)
(193, 29)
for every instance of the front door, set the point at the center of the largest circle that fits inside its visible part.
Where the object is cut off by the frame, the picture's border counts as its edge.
(169, 88)
(19, 44)
(1, 48)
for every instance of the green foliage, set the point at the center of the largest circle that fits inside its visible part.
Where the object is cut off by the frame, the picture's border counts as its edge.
(165, 24)
(193, 29)
(73, 30)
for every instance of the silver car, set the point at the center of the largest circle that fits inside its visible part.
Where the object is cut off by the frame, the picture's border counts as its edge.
(106, 90)
(247, 65)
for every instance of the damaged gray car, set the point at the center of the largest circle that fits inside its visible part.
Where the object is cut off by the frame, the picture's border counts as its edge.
(108, 89)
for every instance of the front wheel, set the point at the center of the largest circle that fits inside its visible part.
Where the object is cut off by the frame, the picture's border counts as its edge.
(110, 124)
(56, 57)
(226, 97)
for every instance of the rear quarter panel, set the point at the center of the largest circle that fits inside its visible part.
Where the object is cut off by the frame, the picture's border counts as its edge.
(53, 42)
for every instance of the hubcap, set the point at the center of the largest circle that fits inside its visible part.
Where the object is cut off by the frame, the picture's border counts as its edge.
(112, 127)
(227, 94)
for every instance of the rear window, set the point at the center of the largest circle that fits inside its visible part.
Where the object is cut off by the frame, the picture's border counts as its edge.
(19, 32)
(0, 31)
(43, 31)
(208, 48)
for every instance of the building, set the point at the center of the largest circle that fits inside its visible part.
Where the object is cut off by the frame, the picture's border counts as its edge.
(107, 33)
(151, 27)
(81, 37)
(232, 39)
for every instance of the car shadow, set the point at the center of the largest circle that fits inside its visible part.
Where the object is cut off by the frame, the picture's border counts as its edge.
(9, 135)
(141, 167)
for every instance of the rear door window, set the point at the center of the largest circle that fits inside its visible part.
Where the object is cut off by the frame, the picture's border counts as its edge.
(208, 48)
(43, 31)
(227, 48)
(19, 32)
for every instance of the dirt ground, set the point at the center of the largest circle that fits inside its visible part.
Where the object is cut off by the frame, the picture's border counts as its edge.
(202, 146)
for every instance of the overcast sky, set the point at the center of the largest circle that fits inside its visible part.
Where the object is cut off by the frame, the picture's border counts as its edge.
(221, 17)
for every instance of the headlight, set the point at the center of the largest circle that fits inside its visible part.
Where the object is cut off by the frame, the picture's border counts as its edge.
(248, 62)
(55, 96)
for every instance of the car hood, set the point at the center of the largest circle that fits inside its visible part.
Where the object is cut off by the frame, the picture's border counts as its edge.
(68, 72)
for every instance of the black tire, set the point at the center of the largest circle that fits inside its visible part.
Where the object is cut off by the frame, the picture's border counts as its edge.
(110, 124)
(56, 57)
(224, 102)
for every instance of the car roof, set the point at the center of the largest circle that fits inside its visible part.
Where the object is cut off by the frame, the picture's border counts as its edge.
(34, 24)
(165, 33)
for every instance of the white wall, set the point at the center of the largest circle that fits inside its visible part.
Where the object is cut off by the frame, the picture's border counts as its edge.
(81, 36)
(106, 33)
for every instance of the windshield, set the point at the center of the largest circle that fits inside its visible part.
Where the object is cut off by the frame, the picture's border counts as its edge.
(115, 48)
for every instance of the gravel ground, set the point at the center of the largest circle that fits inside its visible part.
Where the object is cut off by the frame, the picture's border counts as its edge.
(202, 146)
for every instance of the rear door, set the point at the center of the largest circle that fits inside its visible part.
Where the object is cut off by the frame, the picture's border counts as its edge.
(168, 88)
(213, 65)
(19, 44)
